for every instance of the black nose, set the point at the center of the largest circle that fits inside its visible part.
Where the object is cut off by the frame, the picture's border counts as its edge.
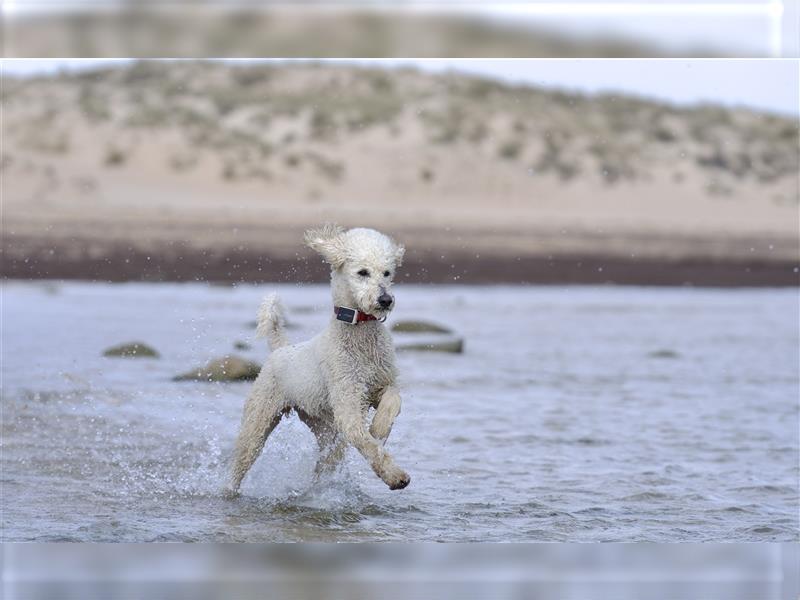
(385, 300)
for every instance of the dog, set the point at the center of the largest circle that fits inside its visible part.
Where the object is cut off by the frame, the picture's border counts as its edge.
(333, 379)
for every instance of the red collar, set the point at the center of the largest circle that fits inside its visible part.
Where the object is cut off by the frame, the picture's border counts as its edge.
(351, 315)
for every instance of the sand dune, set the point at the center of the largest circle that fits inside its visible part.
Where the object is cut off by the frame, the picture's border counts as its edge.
(215, 158)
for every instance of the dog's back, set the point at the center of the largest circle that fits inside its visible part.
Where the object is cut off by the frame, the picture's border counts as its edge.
(298, 373)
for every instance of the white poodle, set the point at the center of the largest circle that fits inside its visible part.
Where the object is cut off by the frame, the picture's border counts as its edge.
(333, 379)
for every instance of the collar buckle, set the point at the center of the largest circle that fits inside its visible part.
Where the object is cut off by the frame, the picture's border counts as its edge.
(347, 315)
(351, 316)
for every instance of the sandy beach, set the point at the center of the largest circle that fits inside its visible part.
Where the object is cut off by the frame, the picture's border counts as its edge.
(180, 171)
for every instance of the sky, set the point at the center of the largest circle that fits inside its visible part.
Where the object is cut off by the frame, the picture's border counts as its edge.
(726, 27)
(766, 84)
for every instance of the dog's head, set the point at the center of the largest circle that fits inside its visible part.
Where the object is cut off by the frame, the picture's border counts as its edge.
(363, 263)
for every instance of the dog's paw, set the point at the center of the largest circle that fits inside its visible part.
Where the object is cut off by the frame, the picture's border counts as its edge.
(398, 480)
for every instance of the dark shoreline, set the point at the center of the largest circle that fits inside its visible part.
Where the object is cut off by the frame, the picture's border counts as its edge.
(81, 261)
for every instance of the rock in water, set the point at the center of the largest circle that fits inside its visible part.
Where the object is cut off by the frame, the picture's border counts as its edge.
(131, 350)
(240, 345)
(663, 354)
(227, 368)
(453, 345)
(418, 327)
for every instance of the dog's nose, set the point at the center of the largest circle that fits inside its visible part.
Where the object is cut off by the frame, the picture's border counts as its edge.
(385, 300)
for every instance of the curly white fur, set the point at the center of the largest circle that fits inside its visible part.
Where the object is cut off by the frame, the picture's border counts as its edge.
(271, 322)
(333, 379)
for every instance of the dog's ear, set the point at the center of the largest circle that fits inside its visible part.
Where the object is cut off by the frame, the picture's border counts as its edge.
(399, 253)
(328, 241)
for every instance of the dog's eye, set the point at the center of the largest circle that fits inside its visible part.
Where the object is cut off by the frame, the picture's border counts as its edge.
(387, 273)
(364, 273)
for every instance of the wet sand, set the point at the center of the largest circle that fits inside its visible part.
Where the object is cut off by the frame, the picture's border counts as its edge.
(44, 257)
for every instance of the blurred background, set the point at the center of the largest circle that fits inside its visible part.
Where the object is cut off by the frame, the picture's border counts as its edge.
(502, 171)
(569, 571)
(664, 410)
(591, 28)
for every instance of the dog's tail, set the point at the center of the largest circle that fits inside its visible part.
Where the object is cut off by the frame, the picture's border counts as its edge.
(272, 322)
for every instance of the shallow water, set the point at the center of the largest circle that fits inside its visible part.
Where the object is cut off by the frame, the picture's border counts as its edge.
(575, 414)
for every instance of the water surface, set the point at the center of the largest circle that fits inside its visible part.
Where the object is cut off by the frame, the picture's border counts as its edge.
(575, 414)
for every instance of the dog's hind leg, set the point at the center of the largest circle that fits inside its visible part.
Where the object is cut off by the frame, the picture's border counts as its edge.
(331, 446)
(262, 413)
(348, 413)
(385, 413)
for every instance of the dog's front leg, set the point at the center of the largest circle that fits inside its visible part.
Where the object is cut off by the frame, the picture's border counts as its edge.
(348, 415)
(385, 413)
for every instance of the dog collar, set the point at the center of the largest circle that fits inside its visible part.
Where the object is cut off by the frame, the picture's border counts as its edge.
(351, 315)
